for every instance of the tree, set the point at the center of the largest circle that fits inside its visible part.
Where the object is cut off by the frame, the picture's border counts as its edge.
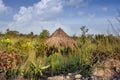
(44, 34)
(31, 34)
(84, 31)
(11, 32)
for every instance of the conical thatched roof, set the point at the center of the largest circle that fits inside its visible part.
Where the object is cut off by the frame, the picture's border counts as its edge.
(60, 39)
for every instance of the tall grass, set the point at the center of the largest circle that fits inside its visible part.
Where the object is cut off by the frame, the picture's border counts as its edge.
(78, 62)
(33, 56)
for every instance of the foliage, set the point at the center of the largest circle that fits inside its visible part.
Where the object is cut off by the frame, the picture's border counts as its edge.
(12, 72)
(23, 44)
(8, 61)
(5, 44)
(84, 31)
(34, 63)
(40, 48)
(11, 33)
(74, 62)
(35, 70)
(44, 34)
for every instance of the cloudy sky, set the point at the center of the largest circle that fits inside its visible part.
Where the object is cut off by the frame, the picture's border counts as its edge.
(28, 16)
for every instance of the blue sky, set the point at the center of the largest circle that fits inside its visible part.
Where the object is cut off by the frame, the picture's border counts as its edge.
(28, 16)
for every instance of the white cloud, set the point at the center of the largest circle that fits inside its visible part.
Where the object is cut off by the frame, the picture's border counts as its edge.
(43, 10)
(105, 9)
(3, 8)
(33, 18)
(42, 15)
(77, 3)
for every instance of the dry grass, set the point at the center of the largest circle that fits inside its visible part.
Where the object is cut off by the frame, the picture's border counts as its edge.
(60, 39)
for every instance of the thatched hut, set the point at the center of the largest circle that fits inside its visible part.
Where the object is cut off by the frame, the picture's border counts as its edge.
(60, 40)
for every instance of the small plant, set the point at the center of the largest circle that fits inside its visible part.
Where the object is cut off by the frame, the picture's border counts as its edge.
(35, 71)
(8, 61)
(40, 49)
(6, 45)
(12, 72)
(6, 42)
(74, 62)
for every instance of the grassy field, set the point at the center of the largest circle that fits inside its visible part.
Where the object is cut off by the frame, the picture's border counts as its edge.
(33, 62)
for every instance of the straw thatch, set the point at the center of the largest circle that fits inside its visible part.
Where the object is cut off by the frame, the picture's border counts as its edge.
(60, 39)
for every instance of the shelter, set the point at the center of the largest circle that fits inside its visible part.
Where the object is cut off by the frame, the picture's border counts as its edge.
(60, 40)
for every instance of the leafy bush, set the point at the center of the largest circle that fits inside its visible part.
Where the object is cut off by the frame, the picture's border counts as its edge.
(72, 63)
(12, 72)
(35, 71)
(40, 49)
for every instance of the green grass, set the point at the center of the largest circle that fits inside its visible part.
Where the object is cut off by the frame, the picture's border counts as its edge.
(33, 50)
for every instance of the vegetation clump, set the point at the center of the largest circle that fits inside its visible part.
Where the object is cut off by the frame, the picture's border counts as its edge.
(32, 56)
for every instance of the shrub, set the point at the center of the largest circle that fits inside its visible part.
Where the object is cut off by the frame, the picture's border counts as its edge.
(71, 63)
(35, 71)
(40, 49)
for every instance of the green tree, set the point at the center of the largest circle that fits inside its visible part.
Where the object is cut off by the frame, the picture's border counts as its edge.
(31, 34)
(11, 32)
(84, 31)
(44, 34)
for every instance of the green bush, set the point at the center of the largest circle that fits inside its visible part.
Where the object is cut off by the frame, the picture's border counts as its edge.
(35, 71)
(72, 63)
(12, 73)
